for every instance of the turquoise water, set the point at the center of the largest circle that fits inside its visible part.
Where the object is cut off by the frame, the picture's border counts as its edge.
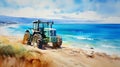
(103, 37)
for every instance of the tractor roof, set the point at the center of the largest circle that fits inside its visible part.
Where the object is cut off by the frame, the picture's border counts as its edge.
(46, 22)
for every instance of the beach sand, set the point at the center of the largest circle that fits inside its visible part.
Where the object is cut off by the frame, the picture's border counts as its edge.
(62, 57)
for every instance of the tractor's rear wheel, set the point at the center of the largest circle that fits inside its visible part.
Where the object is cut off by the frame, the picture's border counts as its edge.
(26, 37)
(37, 39)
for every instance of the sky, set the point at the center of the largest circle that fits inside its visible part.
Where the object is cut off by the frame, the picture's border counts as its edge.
(88, 10)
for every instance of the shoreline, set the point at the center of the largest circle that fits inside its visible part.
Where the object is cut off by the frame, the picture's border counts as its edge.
(66, 56)
(94, 49)
(18, 39)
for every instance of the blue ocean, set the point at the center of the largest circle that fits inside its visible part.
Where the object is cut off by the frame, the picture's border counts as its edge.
(102, 37)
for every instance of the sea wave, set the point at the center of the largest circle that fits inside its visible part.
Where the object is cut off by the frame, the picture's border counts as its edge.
(84, 38)
(80, 37)
(12, 29)
(110, 46)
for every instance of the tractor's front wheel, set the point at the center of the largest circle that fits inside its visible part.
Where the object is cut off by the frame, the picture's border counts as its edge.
(54, 44)
(59, 41)
(59, 44)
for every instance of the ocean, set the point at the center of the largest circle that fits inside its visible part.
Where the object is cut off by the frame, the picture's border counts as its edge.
(102, 37)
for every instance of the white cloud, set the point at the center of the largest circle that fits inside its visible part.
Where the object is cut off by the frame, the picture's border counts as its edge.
(90, 16)
(84, 16)
(30, 12)
(52, 10)
(26, 2)
(42, 4)
(112, 19)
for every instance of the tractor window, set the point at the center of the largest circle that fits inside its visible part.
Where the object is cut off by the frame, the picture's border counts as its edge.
(41, 26)
(35, 26)
(52, 32)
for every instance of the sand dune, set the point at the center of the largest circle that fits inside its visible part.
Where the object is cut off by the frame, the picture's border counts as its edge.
(28, 56)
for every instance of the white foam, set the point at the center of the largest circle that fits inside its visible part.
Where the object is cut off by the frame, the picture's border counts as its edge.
(80, 37)
(110, 46)
(84, 38)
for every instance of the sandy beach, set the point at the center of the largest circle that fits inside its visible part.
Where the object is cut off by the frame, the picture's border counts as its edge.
(62, 57)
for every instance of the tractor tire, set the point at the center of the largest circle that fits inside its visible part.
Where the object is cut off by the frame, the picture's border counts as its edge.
(26, 38)
(37, 40)
(40, 44)
(54, 45)
(59, 42)
(28, 43)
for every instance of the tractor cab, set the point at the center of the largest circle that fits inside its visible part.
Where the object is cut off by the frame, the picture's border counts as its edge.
(44, 28)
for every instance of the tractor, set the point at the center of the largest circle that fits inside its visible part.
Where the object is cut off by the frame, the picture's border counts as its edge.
(41, 34)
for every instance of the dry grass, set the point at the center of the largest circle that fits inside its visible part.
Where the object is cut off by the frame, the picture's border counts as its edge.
(10, 50)
(18, 56)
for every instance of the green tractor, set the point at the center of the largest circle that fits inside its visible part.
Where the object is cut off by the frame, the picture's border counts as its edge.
(41, 34)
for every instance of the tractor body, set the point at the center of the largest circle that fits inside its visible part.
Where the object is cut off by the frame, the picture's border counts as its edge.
(41, 34)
